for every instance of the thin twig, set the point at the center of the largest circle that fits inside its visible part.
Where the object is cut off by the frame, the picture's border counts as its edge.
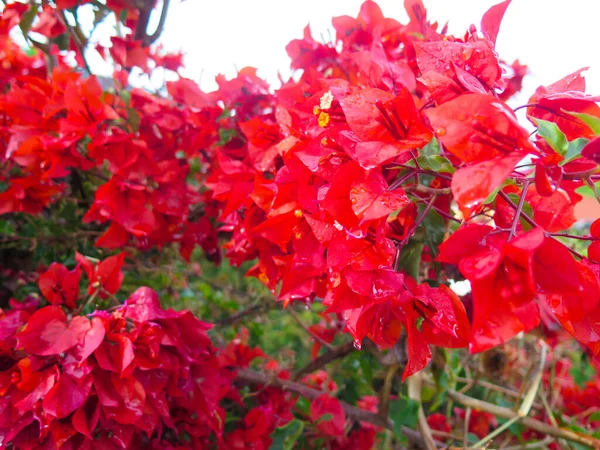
(466, 430)
(507, 199)
(415, 383)
(81, 45)
(239, 316)
(324, 359)
(386, 390)
(427, 190)
(316, 337)
(513, 228)
(532, 445)
(494, 387)
(148, 40)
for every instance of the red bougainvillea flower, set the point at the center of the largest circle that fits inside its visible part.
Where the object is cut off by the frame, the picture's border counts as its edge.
(507, 275)
(106, 275)
(334, 421)
(139, 369)
(59, 285)
(484, 133)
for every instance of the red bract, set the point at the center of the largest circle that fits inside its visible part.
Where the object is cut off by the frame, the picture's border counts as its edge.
(340, 186)
(554, 102)
(168, 367)
(59, 285)
(104, 276)
(328, 414)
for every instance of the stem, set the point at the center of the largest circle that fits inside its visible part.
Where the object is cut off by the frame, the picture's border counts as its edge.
(159, 28)
(537, 105)
(420, 219)
(305, 328)
(384, 401)
(427, 190)
(250, 311)
(87, 302)
(507, 199)
(466, 430)
(446, 215)
(353, 412)
(326, 358)
(534, 424)
(572, 236)
(425, 172)
(415, 383)
(80, 44)
(513, 229)
(496, 432)
(396, 184)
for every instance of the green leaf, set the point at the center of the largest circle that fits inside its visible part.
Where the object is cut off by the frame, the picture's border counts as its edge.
(591, 121)
(432, 148)
(494, 194)
(6, 228)
(27, 19)
(410, 257)
(434, 231)
(574, 150)
(587, 191)
(226, 135)
(404, 412)
(435, 163)
(595, 417)
(324, 418)
(123, 16)
(286, 436)
(552, 135)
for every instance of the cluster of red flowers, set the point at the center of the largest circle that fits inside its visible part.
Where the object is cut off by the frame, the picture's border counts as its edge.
(64, 127)
(365, 182)
(136, 376)
(327, 181)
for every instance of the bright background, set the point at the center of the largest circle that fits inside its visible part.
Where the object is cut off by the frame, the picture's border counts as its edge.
(553, 37)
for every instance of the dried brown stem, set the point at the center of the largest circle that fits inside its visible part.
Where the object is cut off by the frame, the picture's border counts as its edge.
(534, 424)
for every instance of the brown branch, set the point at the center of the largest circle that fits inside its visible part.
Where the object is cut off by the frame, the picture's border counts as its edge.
(427, 190)
(161, 24)
(239, 316)
(141, 30)
(326, 358)
(316, 337)
(80, 44)
(386, 390)
(534, 424)
(145, 9)
(353, 412)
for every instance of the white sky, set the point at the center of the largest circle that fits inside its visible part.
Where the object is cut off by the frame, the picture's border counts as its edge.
(553, 37)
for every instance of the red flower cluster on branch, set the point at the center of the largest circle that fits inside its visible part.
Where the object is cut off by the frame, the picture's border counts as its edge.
(345, 185)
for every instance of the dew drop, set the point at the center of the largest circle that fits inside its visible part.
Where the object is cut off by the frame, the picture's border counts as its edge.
(357, 344)
(440, 131)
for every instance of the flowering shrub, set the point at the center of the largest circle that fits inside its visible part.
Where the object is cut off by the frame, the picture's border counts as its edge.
(363, 188)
